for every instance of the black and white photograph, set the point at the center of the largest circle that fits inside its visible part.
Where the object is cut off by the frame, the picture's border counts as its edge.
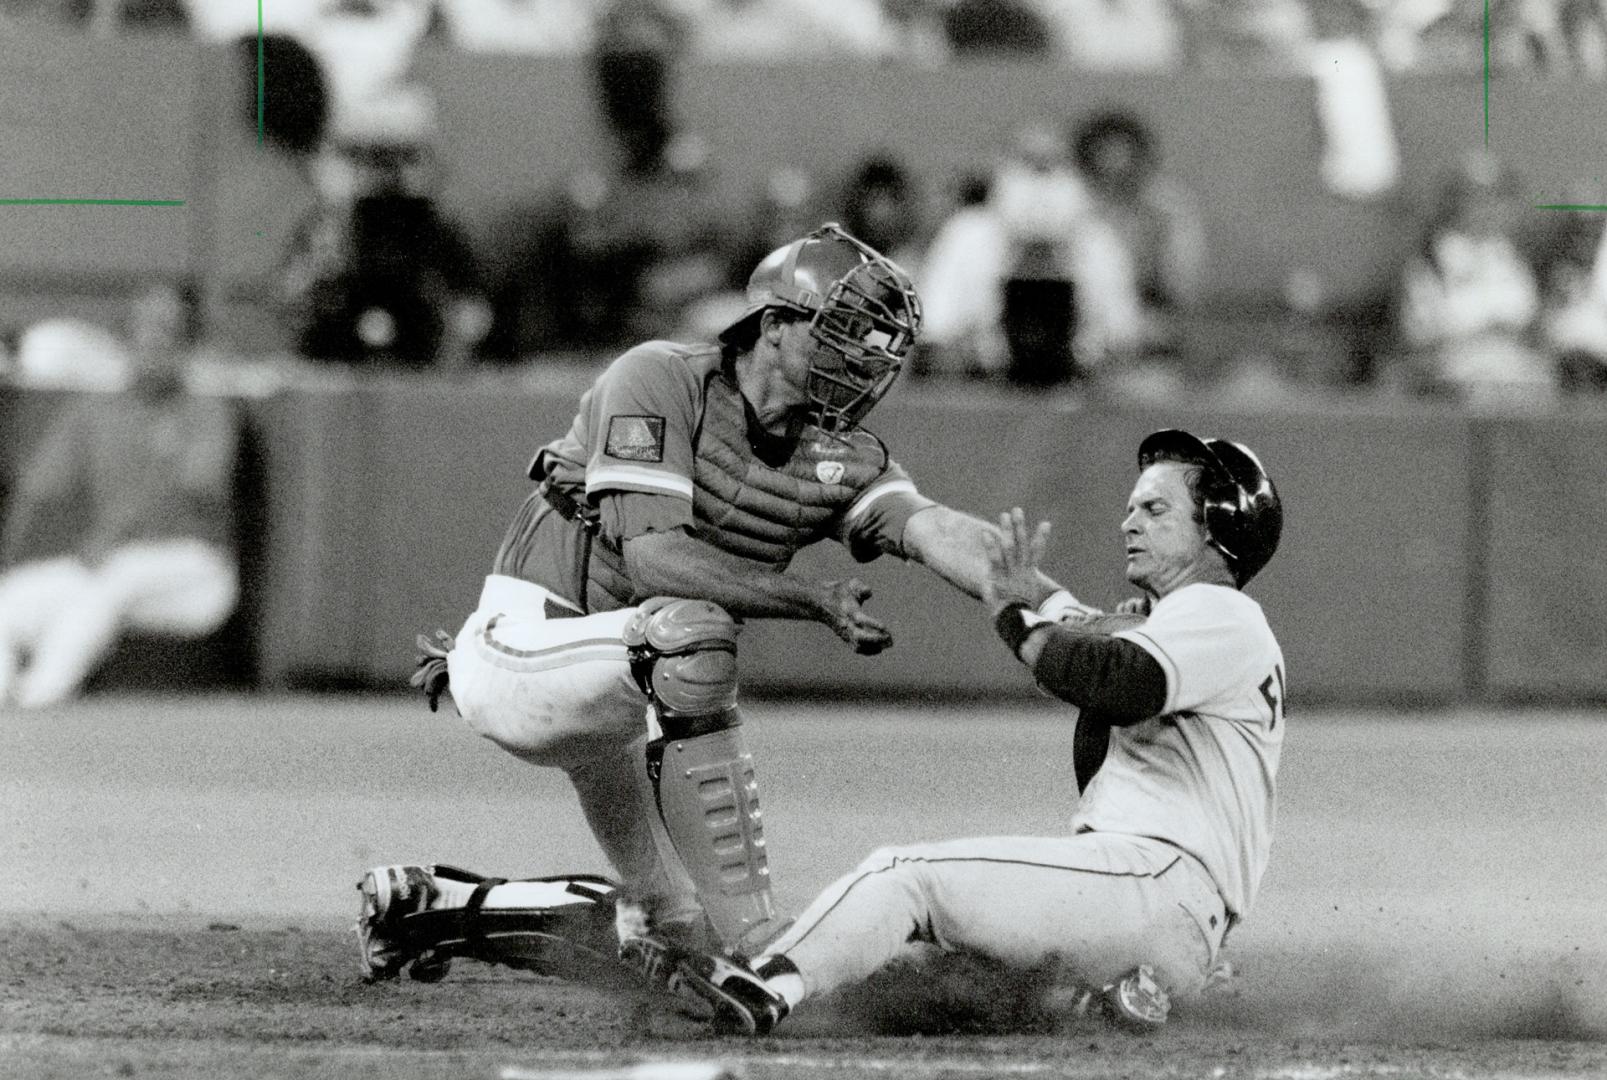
(803, 539)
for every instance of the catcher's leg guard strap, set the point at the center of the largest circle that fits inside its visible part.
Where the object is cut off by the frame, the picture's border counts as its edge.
(473, 925)
(709, 801)
(573, 924)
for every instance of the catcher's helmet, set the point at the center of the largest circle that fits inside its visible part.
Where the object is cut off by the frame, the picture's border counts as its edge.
(1243, 514)
(863, 311)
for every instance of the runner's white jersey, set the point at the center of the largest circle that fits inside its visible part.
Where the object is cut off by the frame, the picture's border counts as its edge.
(1202, 774)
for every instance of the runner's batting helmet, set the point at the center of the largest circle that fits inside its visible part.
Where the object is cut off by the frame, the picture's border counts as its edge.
(1243, 514)
(862, 309)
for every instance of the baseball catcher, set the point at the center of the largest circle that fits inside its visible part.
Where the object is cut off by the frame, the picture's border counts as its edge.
(606, 638)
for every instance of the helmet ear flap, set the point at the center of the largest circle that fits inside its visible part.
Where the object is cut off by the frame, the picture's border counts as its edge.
(1223, 509)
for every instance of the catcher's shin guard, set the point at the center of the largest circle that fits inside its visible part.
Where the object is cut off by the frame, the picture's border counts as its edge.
(709, 802)
(683, 654)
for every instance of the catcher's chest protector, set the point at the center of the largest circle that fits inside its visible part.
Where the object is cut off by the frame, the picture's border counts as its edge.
(769, 512)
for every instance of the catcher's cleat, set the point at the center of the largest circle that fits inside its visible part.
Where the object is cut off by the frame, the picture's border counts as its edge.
(1134, 1002)
(390, 894)
(741, 1002)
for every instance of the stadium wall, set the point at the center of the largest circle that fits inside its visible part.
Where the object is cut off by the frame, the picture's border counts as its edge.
(1428, 556)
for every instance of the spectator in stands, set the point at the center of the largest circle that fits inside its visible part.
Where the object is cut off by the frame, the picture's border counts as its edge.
(669, 223)
(1469, 298)
(1038, 200)
(162, 16)
(1584, 31)
(1001, 279)
(786, 207)
(123, 518)
(991, 28)
(545, 28)
(1559, 36)
(639, 43)
(68, 353)
(788, 29)
(883, 207)
(1140, 247)
(637, 252)
(367, 50)
(1572, 264)
(1566, 37)
(377, 275)
(10, 338)
(1232, 36)
(962, 286)
(916, 32)
(1116, 35)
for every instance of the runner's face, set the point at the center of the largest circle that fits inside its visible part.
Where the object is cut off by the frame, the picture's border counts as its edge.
(1166, 546)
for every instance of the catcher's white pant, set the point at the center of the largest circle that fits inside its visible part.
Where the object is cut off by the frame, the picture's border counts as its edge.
(60, 617)
(559, 692)
(1098, 904)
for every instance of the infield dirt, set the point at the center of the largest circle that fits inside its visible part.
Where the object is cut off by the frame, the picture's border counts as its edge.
(180, 878)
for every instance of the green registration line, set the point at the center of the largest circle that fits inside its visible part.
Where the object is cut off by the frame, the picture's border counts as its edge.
(91, 202)
(1572, 206)
(1486, 72)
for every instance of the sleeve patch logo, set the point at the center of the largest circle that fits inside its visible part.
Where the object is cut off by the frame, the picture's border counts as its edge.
(635, 438)
(829, 472)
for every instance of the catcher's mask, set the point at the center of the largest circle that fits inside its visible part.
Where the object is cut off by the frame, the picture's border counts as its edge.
(863, 315)
(1243, 514)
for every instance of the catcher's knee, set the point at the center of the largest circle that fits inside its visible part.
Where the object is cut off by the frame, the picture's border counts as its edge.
(683, 655)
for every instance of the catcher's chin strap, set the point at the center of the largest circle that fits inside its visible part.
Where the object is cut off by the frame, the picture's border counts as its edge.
(683, 655)
(569, 938)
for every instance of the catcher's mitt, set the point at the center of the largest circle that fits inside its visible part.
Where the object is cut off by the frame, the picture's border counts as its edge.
(429, 672)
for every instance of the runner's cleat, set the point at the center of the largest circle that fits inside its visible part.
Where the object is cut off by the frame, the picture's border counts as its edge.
(1136, 1001)
(743, 1003)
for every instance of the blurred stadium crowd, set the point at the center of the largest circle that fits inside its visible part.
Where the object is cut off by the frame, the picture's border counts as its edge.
(1131, 35)
(1072, 258)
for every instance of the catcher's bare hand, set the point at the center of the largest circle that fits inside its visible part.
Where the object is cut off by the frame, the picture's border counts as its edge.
(429, 672)
(844, 611)
(1136, 605)
(1013, 558)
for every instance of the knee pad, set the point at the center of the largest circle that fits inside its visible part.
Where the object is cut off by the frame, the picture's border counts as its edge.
(683, 655)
